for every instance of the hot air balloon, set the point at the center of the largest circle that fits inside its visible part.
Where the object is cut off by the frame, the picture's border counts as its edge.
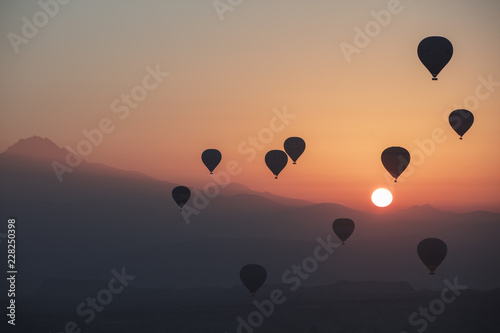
(461, 120)
(253, 277)
(181, 195)
(276, 160)
(211, 158)
(435, 52)
(395, 160)
(294, 147)
(432, 252)
(343, 228)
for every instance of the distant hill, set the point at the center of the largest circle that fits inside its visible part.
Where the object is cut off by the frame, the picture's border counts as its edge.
(100, 218)
(236, 189)
(29, 174)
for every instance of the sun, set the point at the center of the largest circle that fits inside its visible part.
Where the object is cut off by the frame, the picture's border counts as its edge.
(381, 197)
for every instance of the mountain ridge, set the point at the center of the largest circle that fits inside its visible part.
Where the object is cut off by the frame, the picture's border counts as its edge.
(37, 149)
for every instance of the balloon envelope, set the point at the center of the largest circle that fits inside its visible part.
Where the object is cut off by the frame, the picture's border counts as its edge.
(211, 158)
(432, 252)
(181, 195)
(395, 160)
(294, 147)
(253, 277)
(276, 160)
(343, 228)
(461, 120)
(435, 52)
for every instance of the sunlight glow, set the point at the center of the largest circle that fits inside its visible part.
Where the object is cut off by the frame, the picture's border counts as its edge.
(381, 197)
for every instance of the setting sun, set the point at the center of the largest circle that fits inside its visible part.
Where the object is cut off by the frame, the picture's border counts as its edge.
(381, 197)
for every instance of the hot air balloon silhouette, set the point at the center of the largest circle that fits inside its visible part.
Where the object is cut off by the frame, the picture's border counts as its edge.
(294, 147)
(461, 120)
(395, 160)
(181, 195)
(343, 228)
(432, 252)
(211, 158)
(276, 160)
(435, 52)
(253, 277)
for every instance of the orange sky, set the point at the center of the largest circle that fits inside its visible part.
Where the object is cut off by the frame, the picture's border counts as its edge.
(227, 77)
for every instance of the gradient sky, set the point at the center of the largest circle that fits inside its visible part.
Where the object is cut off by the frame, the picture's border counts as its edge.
(227, 76)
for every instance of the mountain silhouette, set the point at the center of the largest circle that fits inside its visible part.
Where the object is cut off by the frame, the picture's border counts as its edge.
(36, 148)
(236, 189)
(29, 175)
(101, 218)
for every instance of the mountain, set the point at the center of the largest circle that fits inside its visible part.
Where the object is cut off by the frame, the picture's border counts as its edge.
(36, 148)
(236, 189)
(28, 169)
(101, 218)
(424, 212)
(30, 173)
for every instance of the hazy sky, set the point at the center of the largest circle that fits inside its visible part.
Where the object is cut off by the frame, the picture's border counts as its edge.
(228, 71)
